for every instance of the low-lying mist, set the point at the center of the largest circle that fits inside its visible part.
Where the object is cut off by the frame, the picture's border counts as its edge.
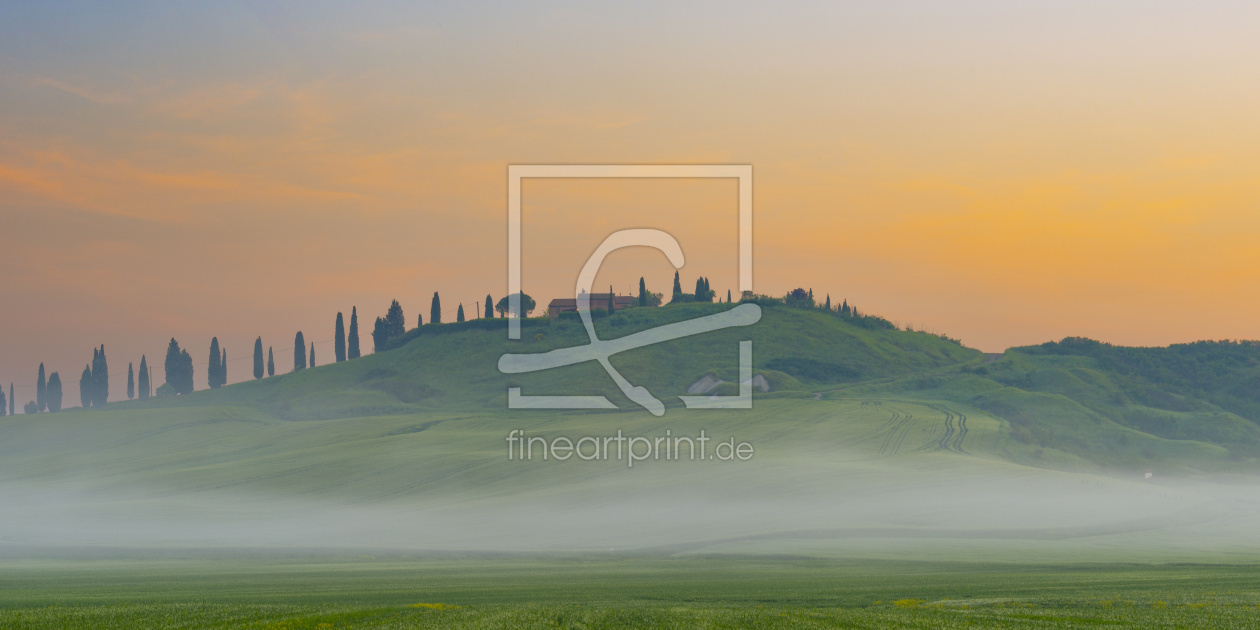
(888, 508)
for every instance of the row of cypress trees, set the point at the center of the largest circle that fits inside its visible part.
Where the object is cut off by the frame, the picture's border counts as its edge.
(47, 393)
(94, 382)
(394, 323)
(93, 386)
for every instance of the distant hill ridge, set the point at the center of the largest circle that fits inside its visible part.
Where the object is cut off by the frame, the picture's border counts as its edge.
(1073, 402)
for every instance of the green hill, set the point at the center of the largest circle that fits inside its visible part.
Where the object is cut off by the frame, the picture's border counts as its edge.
(872, 441)
(1077, 404)
(455, 366)
(1192, 407)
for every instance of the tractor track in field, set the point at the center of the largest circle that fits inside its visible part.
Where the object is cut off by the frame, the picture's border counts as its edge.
(955, 431)
(893, 432)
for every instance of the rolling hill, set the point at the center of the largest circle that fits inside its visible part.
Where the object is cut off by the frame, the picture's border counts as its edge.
(871, 441)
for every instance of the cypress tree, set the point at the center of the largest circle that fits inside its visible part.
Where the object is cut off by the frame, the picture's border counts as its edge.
(85, 387)
(728, 296)
(271, 362)
(642, 292)
(53, 395)
(299, 352)
(380, 335)
(144, 378)
(611, 302)
(828, 304)
(677, 286)
(312, 354)
(4, 404)
(100, 379)
(352, 344)
(435, 310)
(171, 364)
(179, 368)
(459, 314)
(212, 370)
(396, 322)
(844, 309)
(12, 399)
(41, 390)
(489, 307)
(223, 367)
(131, 382)
(186, 371)
(699, 289)
(339, 340)
(258, 359)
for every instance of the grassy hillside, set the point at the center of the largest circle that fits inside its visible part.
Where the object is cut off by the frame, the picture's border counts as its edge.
(455, 366)
(1076, 405)
(1177, 409)
(873, 442)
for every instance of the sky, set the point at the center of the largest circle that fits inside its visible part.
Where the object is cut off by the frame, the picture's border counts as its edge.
(1002, 173)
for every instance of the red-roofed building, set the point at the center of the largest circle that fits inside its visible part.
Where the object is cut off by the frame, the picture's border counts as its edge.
(598, 300)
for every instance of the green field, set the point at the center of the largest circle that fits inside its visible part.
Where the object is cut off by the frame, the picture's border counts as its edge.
(897, 480)
(602, 592)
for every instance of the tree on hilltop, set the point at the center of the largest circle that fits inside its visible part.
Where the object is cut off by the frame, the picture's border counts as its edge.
(143, 382)
(339, 340)
(53, 394)
(504, 307)
(41, 390)
(299, 352)
(85, 387)
(100, 379)
(212, 369)
(179, 368)
(352, 343)
(396, 322)
(258, 359)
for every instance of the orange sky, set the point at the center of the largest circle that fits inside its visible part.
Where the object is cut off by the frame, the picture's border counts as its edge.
(1004, 175)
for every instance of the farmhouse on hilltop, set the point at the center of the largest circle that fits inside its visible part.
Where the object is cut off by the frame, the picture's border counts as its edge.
(598, 300)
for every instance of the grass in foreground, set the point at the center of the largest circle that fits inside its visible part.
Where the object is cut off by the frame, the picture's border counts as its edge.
(586, 592)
